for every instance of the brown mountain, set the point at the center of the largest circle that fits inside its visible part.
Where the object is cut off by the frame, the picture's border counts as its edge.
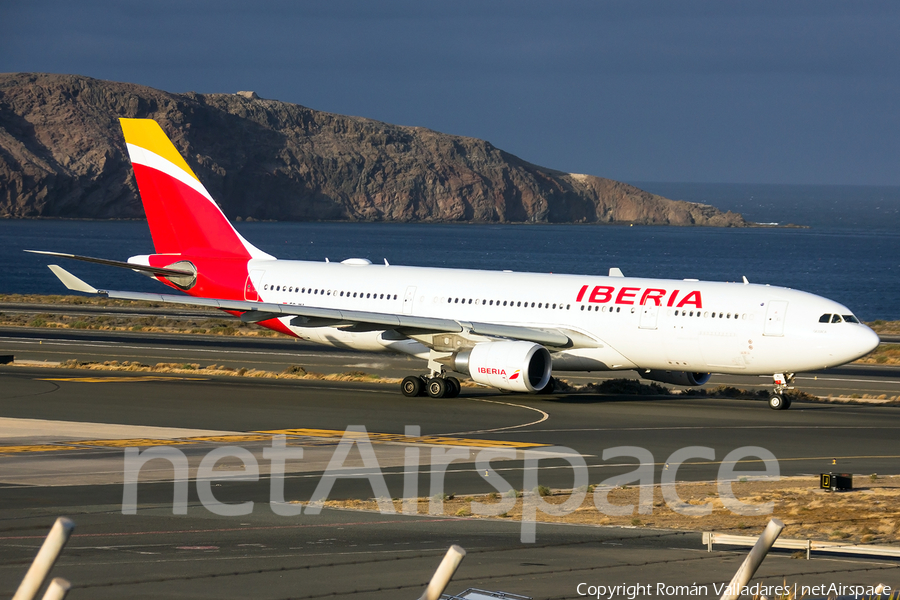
(62, 155)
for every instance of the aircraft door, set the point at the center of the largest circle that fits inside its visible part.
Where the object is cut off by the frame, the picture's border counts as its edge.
(775, 318)
(408, 300)
(649, 316)
(250, 293)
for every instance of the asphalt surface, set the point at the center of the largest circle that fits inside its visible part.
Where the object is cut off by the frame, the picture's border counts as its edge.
(368, 555)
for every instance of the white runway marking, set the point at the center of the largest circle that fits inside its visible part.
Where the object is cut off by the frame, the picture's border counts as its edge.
(544, 417)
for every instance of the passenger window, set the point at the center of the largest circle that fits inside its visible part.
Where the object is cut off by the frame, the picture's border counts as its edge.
(567, 306)
(470, 301)
(582, 307)
(836, 319)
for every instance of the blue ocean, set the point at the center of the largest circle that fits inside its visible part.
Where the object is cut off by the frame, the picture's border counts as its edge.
(850, 252)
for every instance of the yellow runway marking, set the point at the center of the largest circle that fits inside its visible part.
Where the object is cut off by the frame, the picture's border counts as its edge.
(132, 442)
(231, 438)
(121, 379)
(265, 436)
(35, 448)
(395, 437)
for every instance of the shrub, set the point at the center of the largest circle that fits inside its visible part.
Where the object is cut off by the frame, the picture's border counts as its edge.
(541, 490)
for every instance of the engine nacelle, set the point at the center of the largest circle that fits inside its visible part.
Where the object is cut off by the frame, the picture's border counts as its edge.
(675, 377)
(511, 366)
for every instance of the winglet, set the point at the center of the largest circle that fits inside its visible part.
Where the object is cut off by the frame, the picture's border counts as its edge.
(72, 282)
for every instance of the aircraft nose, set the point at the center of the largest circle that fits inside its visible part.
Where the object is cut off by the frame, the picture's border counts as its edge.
(864, 341)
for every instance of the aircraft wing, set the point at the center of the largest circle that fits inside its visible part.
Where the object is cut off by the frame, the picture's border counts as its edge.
(311, 316)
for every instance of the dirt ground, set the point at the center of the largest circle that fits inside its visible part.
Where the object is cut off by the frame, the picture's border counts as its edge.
(868, 514)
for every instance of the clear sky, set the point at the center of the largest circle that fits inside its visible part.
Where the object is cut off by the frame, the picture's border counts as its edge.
(636, 90)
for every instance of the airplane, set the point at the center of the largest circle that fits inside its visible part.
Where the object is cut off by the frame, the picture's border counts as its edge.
(506, 330)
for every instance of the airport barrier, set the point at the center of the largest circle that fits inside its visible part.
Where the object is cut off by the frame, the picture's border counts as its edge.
(711, 538)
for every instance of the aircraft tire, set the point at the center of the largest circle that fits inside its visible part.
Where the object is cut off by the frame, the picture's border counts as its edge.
(776, 402)
(548, 389)
(437, 387)
(412, 386)
(453, 387)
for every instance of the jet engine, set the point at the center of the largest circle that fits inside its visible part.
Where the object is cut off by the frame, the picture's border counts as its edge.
(675, 377)
(508, 365)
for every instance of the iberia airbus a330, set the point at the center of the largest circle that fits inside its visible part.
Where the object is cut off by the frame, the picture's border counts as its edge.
(505, 330)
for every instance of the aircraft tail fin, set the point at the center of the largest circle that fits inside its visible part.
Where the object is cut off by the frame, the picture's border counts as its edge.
(183, 217)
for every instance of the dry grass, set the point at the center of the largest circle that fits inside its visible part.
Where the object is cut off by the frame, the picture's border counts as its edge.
(292, 372)
(885, 354)
(886, 327)
(869, 514)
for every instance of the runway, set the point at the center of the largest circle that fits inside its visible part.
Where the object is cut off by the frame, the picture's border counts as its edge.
(70, 427)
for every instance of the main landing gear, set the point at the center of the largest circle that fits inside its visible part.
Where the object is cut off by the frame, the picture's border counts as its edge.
(435, 387)
(777, 400)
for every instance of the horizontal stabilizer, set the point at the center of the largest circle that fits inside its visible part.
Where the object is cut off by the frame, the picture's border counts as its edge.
(72, 282)
(117, 263)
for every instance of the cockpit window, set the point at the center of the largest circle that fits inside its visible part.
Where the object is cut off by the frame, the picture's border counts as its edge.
(836, 319)
(825, 319)
(850, 319)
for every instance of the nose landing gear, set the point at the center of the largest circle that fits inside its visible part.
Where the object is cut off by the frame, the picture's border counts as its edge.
(783, 382)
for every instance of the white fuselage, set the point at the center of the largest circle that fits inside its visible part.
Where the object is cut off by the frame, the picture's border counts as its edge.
(621, 322)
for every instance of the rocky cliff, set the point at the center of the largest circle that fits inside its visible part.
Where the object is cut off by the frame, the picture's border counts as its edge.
(62, 155)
